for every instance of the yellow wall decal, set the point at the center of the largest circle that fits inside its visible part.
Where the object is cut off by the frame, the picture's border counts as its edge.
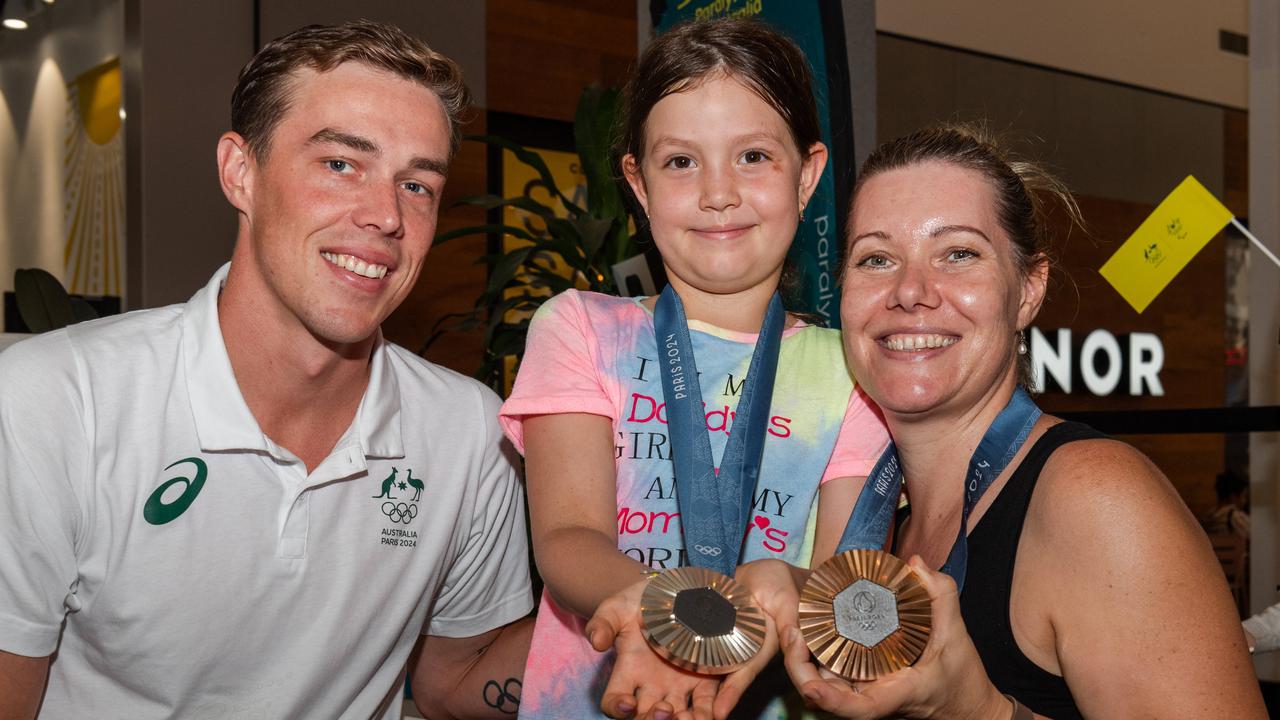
(94, 191)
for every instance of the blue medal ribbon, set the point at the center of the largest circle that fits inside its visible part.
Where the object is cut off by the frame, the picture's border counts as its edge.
(714, 507)
(873, 514)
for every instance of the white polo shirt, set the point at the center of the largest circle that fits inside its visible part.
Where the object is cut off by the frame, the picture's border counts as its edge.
(201, 572)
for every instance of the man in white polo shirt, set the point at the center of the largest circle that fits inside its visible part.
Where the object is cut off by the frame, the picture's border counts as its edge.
(251, 505)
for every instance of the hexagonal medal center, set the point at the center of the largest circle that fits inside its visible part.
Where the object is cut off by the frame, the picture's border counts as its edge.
(866, 613)
(704, 611)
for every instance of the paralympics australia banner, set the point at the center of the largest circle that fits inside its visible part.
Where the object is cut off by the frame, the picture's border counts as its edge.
(817, 26)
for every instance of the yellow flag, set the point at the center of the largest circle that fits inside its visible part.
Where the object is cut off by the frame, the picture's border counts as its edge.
(1165, 242)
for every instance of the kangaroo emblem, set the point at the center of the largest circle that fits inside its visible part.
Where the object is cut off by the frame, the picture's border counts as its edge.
(386, 486)
(416, 483)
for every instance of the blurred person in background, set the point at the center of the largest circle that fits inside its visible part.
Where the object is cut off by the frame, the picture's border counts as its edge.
(1232, 514)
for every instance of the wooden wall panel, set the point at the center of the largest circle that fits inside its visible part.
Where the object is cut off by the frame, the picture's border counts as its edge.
(1189, 319)
(1102, 139)
(542, 53)
(1235, 141)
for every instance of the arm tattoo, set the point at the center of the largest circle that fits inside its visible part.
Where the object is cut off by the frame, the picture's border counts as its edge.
(504, 697)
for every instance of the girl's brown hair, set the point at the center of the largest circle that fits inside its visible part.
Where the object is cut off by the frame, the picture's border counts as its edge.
(760, 57)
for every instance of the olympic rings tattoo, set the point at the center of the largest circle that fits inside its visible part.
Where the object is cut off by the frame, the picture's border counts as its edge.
(501, 697)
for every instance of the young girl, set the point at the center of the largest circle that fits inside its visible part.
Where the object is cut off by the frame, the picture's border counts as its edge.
(721, 147)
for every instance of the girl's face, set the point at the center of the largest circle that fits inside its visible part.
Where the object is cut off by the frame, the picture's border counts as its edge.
(932, 298)
(723, 185)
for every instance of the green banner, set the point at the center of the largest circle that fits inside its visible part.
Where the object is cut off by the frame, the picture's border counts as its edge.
(817, 26)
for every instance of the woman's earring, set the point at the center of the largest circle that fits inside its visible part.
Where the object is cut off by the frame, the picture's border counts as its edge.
(1022, 342)
(802, 213)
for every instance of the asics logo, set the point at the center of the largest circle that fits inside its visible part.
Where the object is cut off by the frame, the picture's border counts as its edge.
(158, 512)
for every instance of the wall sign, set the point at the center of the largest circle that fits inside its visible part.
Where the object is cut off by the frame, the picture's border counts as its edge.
(1100, 362)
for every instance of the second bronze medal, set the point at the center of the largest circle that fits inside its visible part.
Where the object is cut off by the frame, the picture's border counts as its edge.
(864, 614)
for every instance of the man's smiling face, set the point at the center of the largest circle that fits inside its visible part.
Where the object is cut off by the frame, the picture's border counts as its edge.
(342, 211)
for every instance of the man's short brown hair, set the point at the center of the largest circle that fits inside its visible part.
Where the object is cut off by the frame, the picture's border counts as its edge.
(263, 89)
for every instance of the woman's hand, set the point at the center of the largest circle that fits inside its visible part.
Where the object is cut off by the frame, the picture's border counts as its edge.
(642, 684)
(948, 681)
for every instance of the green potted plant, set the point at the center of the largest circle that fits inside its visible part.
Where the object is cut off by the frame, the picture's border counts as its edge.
(577, 249)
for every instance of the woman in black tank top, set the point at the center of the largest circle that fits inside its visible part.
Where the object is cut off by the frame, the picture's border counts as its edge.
(1089, 590)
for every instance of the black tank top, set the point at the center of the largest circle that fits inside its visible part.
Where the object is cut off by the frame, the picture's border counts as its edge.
(984, 602)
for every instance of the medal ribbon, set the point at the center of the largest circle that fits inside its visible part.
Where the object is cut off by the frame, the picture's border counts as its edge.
(873, 514)
(714, 506)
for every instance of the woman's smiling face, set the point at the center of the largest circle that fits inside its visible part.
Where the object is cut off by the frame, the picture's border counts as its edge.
(932, 296)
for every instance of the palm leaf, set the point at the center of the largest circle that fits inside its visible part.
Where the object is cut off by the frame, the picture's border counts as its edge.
(506, 267)
(535, 161)
(487, 229)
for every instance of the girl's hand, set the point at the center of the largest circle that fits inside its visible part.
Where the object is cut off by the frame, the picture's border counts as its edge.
(642, 684)
(948, 681)
(772, 583)
(776, 586)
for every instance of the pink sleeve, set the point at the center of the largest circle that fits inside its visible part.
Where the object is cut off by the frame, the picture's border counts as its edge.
(861, 441)
(560, 371)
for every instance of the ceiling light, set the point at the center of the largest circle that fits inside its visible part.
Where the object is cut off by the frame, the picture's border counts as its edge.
(15, 14)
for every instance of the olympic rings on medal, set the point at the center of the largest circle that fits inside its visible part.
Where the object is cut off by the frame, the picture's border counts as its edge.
(400, 512)
(708, 550)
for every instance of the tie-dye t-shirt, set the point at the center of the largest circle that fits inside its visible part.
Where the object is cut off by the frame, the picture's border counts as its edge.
(597, 354)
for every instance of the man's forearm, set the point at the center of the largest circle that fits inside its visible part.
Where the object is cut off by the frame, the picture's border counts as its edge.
(21, 684)
(485, 683)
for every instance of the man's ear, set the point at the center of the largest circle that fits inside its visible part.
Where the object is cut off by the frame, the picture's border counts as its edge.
(236, 166)
(631, 171)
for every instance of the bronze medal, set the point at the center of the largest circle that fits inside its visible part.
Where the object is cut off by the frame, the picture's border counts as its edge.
(864, 614)
(701, 620)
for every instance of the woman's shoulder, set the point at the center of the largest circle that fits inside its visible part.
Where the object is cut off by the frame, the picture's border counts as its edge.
(1095, 463)
(1113, 567)
(1097, 491)
(1094, 468)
